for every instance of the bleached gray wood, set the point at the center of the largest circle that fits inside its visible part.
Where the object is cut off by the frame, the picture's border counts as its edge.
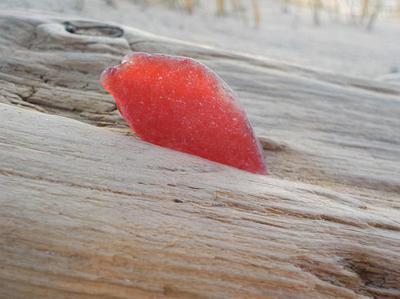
(89, 211)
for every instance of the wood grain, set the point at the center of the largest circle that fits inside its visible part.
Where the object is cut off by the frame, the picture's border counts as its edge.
(89, 211)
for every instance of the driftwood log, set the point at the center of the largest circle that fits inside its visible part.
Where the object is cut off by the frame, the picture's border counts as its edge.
(89, 211)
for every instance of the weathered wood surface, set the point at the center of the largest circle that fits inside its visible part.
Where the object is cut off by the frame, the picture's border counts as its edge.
(89, 211)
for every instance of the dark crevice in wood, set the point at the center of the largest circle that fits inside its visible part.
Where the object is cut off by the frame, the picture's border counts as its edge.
(93, 29)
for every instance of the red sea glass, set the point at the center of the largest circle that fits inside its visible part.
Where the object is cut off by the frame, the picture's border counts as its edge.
(178, 103)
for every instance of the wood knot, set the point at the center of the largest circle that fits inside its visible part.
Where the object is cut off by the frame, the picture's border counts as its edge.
(378, 274)
(93, 29)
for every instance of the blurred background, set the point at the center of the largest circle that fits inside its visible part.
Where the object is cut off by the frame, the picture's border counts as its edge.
(360, 38)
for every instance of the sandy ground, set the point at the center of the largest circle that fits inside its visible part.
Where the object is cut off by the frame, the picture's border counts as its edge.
(335, 46)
